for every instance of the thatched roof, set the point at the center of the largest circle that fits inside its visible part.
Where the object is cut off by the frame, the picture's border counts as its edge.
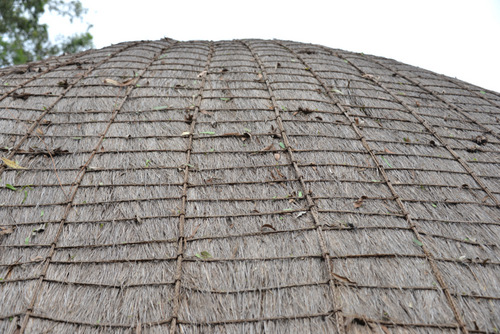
(246, 186)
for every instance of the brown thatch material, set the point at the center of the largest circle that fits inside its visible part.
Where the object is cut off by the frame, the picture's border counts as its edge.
(246, 186)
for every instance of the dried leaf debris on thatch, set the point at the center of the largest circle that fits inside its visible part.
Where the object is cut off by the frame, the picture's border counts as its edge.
(246, 186)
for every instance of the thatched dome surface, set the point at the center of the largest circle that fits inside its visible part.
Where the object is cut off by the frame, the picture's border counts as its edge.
(246, 186)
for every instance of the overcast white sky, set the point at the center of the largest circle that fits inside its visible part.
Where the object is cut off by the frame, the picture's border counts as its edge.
(453, 37)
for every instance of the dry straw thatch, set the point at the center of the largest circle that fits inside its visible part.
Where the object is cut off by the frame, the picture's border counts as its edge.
(246, 186)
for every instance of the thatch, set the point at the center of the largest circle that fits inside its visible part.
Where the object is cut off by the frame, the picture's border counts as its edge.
(246, 186)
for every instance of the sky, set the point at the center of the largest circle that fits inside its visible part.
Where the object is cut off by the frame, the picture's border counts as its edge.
(453, 37)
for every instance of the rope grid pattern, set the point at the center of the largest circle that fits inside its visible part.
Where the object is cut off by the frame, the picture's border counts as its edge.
(180, 162)
(431, 129)
(449, 104)
(307, 192)
(388, 182)
(47, 260)
(182, 238)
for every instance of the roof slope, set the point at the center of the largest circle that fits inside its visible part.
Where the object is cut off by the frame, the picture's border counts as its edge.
(246, 186)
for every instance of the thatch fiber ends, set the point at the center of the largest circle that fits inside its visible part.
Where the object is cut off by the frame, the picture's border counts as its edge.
(246, 186)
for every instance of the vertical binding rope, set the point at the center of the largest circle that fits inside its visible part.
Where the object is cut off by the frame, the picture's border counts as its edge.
(439, 97)
(429, 128)
(412, 225)
(339, 318)
(49, 108)
(182, 216)
(77, 183)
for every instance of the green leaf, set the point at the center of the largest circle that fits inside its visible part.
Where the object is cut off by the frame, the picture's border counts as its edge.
(418, 242)
(11, 187)
(282, 145)
(300, 193)
(482, 92)
(203, 255)
(387, 162)
(161, 108)
(225, 99)
(42, 213)
(27, 240)
(434, 205)
(25, 196)
(337, 91)
(207, 132)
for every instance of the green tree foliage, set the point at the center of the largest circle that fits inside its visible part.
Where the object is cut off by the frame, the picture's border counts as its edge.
(23, 38)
